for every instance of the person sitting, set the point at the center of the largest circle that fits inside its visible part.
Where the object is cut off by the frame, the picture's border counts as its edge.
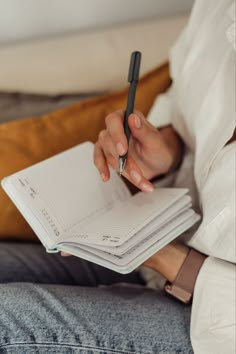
(189, 134)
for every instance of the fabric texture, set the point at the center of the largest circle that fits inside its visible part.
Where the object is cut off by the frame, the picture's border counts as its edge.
(96, 60)
(214, 308)
(28, 141)
(98, 311)
(201, 106)
(17, 105)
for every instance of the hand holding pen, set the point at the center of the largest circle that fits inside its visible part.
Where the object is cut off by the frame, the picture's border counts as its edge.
(129, 141)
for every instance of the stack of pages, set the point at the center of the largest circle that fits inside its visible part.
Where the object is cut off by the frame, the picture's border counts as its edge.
(70, 209)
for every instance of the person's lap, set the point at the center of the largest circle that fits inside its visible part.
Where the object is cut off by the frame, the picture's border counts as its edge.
(28, 262)
(40, 314)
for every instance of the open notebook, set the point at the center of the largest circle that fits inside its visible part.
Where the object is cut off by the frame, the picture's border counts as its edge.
(71, 209)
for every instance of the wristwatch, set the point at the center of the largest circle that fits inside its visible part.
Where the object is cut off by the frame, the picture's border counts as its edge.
(183, 285)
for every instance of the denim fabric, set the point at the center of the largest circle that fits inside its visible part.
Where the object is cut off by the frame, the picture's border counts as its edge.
(50, 304)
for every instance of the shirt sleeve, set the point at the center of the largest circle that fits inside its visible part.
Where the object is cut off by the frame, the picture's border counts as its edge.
(165, 107)
(213, 310)
(216, 233)
(161, 111)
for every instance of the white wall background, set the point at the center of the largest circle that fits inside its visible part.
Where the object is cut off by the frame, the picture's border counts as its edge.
(27, 19)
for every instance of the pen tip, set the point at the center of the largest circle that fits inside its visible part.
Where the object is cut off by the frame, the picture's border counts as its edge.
(122, 162)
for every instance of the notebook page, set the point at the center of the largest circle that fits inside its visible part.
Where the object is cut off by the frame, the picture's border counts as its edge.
(148, 241)
(124, 220)
(179, 230)
(42, 231)
(163, 219)
(66, 190)
(136, 261)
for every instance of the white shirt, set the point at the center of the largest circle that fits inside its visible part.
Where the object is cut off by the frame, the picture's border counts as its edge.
(201, 107)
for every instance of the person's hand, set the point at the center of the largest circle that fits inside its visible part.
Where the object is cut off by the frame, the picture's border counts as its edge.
(151, 153)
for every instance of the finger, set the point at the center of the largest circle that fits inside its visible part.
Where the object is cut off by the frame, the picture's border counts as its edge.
(64, 254)
(106, 143)
(115, 127)
(141, 129)
(112, 160)
(100, 162)
(108, 149)
(135, 176)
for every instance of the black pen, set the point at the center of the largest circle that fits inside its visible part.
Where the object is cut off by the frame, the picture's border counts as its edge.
(133, 77)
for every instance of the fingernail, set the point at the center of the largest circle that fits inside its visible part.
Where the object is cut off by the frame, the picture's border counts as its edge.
(137, 121)
(146, 187)
(103, 177)
(120, 149)
(135, 176)
(64, 254)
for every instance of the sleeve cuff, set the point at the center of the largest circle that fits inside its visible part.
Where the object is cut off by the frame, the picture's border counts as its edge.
(161, 111)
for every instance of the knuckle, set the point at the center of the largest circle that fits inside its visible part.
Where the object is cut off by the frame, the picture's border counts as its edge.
(109, 118)
(104, 140)
(113, 117)
(101, 135)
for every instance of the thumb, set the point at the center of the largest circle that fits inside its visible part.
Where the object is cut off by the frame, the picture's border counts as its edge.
(141, 129)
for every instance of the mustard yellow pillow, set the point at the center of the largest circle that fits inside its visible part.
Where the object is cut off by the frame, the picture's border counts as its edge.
(28, 141)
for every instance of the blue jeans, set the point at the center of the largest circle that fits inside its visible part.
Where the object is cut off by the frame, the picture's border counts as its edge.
(51, 304)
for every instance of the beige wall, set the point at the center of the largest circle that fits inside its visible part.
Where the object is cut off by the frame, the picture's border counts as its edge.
(26, 19)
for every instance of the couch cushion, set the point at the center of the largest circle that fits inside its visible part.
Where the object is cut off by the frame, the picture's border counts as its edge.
(84, 62)
(16, 105)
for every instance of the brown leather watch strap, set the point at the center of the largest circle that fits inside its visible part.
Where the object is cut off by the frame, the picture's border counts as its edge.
(183, 285)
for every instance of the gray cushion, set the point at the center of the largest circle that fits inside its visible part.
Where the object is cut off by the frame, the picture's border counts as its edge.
(21, 105)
